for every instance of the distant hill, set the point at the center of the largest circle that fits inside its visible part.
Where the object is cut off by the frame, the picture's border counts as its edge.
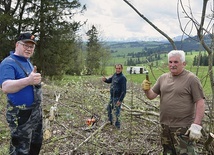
(188, 44)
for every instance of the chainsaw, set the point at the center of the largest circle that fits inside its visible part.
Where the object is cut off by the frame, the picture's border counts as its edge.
(91, 121)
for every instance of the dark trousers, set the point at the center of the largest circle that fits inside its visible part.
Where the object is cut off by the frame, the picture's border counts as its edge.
(114, 113)
(26, 130)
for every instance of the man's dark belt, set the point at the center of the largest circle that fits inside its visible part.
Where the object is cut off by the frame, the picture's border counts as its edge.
(24, 108)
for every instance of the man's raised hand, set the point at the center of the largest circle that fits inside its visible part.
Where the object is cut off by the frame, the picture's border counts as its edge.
(34, 77)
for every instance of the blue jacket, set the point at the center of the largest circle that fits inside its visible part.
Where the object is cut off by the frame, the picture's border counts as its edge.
(10, 70)
(118, 86)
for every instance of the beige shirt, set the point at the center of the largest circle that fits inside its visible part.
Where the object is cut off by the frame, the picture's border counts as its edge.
(178, 95)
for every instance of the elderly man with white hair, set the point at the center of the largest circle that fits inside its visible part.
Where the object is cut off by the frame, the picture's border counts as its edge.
(182, 106)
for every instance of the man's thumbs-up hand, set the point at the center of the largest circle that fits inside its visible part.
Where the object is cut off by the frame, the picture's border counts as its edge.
(34, 69)
(34, 77)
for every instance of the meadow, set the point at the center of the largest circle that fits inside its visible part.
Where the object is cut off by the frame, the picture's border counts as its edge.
(155, 71)
(161, 67)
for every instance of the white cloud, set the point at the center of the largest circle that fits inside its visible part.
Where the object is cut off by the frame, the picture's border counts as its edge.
(116, 20)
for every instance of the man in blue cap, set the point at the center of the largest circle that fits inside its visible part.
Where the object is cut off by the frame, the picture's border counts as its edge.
(22, 84)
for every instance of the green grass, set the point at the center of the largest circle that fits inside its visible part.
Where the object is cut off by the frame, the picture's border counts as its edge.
(158, 69)
(125, 51)
(138, 78)
(122, 59)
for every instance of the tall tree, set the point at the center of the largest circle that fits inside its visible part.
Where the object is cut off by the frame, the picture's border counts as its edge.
(93, 58)
(56, 46)
(52, 21)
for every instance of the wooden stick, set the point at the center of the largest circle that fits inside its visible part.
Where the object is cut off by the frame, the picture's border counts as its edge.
(57, 97)
(87, 139)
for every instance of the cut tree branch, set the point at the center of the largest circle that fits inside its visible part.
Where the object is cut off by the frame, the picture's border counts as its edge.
(87, 139)
(150, 23)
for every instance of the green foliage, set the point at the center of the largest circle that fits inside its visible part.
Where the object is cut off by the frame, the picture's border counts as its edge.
(97, 55)
(202, 59)
(93, 51)
(57, 49)
(6, 33)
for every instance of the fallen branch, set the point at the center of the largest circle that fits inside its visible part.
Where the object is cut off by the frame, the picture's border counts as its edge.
(126, 106)
(148, 103)
(142, 112)
(87, 139)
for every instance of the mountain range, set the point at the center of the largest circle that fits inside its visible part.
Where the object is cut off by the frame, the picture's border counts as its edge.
(187, 44)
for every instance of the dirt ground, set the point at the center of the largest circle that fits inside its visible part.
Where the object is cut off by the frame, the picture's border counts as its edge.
(66, 132)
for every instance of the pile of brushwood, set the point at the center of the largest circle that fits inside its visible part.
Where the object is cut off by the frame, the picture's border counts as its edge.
(68, 110)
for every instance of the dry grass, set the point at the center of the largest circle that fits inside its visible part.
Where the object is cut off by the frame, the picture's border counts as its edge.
(139, 133)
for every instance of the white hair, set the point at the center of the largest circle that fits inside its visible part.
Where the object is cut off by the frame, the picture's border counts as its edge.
(178, 53)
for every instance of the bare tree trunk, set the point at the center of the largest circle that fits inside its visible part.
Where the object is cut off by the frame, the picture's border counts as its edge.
(211, 81)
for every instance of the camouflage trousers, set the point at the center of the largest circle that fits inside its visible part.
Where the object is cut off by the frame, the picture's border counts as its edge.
(175, 142)
(26, 129)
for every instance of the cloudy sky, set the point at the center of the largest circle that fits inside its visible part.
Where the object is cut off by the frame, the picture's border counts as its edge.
(115, 20)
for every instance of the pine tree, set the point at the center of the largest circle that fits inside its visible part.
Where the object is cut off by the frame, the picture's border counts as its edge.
(93, 58)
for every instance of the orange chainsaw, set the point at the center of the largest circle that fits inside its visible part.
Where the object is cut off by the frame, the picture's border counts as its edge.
(91, 121)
